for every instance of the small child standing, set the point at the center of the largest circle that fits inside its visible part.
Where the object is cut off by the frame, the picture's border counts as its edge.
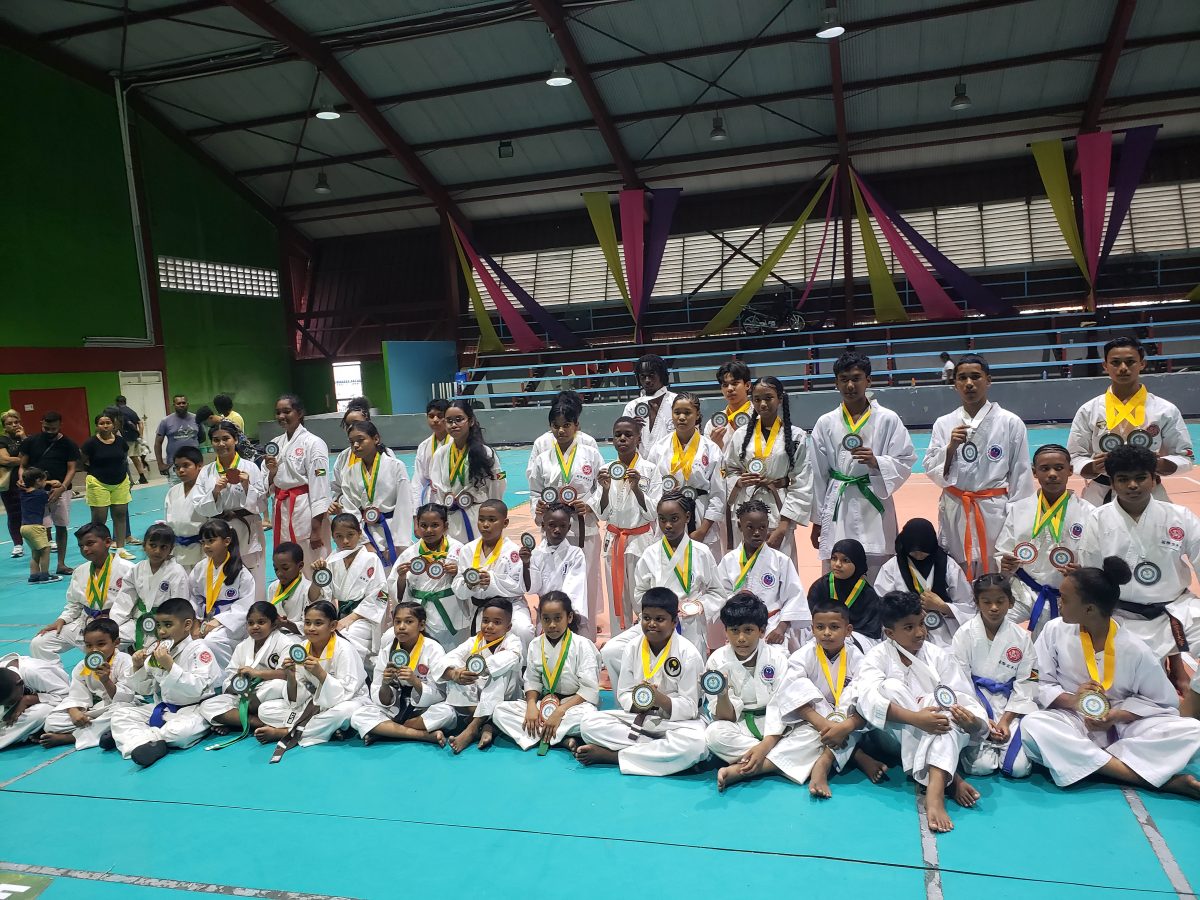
(153, 580)
(288, 593)
(358, 589)
(35, 497)
(83, 718)
(30, 689)
(222, 590)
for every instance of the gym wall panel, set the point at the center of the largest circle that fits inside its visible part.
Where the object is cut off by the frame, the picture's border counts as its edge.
(102, 388)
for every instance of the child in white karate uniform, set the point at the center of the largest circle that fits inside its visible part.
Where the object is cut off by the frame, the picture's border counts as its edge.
(83, 717)
(666, 735)
(999, 659)
(555, 564)
(30, 689)
(359, 587)
(923, 567)
(547, 439)
(259, 657)
(691, 463)
(168, 681)
(404, 684)
(465, 472)
(288, 593)
(497, 562)
(422, 485)
(180, 511)
(153, 580)
(447, 616)
(1107, 706)
(299, 478)
(374, 485)
(916, 695)
(93, 589)
(562, 665)
(222, 590)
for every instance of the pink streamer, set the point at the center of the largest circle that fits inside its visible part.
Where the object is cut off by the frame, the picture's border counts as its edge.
(633, 240)
(523, 335)
(812, 279)
(933, 297)
(1094, 159)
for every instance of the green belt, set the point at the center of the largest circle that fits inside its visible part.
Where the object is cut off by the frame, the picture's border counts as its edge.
(748, 717)
(862, 482)
(436, 598)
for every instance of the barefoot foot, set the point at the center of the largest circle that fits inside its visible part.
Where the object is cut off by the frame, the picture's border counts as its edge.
(871, 767)
(486, 737)
(56, 739)
(268, 735)
(728, 775)
(963, 792)
(1185, 785)
(935, 811)
(590, 755)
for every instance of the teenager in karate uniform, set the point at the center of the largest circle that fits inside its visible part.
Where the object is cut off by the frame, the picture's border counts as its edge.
(1128, 410)
(854, 490)
(1153, 536)
(374, 479)
(498, 561)
(653, 377)
(358, 409)
(167, 680)
(321, 693)
(400, 694)
(569, 462)
(359, 587)
(896, 693)
(422, 484)
(923, 567)
(561, 663)
(979, 456)
(998, 657)
(258, 656)
(682, 566)
(630, 517)
(547, 439)
(288, 593)
(693, 461)
(446, 616)
(1142, 740)
(299, 479)
(30, 690)
(1053, 519)
(180, 511)
(235, 489)
(668, 737)
(93, 589)
(847, 584)
(222, 590)
(153, 580)
(734, 380)
(555, 564)
(465, 466)
(768, 574)
(84, 714)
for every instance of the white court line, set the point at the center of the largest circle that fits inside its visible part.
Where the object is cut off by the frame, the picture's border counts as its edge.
(929, 852)
(37, 768)
(1166, 858)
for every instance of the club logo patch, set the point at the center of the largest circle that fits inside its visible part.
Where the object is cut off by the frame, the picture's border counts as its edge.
(231, 593)
(370, 571)
(1013, 654)
(273, 660)
(120, 581)
(164, 586)
(1153, 430)
(704, 459)
(587, 470)
(995, 453)
(515, 555)
(768, 580)
(205, 656)
(1077, 530)
(768, 673)
(298, 452)
(1175, 533)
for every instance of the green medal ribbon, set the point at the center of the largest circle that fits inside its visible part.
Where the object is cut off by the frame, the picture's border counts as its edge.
(243, 717)
(1052, 517)
(369, 482)
(854, 592)
(552, 683)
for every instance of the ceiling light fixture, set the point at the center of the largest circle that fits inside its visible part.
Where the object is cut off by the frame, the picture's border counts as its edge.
(326, 112)
(718, 132)
(830, 25)
(961, 100)
(558, 77)
(322, 185)
(504, 150)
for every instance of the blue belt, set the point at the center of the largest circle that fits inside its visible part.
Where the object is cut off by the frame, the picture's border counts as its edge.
(466, 521)
(1044, 593)
(93, 613)
(390, 557)
(159, 713)
(182, 540)
(996, 687)
(1014, 747)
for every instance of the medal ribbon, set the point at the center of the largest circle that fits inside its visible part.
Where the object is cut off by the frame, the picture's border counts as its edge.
(86, 671)
(1110, 655)
(565, 463)
(682, 460)
(456, 461)
(1133, 412)
(440, 553)
(852, 426)
(648, 672)
(479, 637)
(552, 683)
(730, 414)
(920, 582)
(98, 585)
(835, 689)
(415, 654)
(368, 481)
(281, 595)
(487, 563)
(328, 654)
(212, 587)
(237, 463)
(684, 577)
(747, 565)
(854, 591)
(1052, 516)
(759, 451)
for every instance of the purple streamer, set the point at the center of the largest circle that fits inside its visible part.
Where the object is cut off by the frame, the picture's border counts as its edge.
(562, 335)
(1135, 152)
(971, 291)
(663, 202)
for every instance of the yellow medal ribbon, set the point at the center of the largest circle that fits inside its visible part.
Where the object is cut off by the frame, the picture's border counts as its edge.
(759, 451)
(369, 480)
(435, 446)
(415, 655)
(86, 671)
(747, 564)
(237, 463)
(456, 460)
(684, 459)
(566, 463)
(853, 426)
(1110, 655)
(1133, 412)
(684, 576)
(731, 414)
(648, 672)
(1051, 516)
(854, 591)
(213, 585)
(328, 654)
(487, 563)
(918, 581)
(479, 637)
(423, 550)
(551, 682)
(835, 689)
(283, 595)
(98, 585)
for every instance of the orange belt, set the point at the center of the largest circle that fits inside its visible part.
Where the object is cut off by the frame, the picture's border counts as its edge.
(289, 496)
(972, 510)
(618, 566)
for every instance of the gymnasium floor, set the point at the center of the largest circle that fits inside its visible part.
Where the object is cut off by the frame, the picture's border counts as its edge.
(343, 820)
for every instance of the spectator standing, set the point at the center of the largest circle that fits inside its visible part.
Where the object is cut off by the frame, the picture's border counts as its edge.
(10, 465)
(179, 429)
(105, 456)
(947, 368)
(223, 404)
(57, 455)
(132, 428)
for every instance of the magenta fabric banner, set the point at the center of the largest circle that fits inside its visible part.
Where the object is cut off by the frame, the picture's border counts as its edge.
(1094, 156)
(522, 334)
(663, 202)
(633, 241)
(554, 329)
(934, 299)
(1135, 153)
(812, 278)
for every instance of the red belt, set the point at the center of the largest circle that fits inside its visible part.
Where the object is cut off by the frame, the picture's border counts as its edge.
(289, 495)
(618, 569)
(971, 510)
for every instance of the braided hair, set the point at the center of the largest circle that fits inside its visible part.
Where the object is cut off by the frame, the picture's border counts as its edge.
(687, 504)
(789, 442)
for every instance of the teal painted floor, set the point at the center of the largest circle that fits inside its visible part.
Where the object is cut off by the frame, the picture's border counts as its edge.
(344, 820)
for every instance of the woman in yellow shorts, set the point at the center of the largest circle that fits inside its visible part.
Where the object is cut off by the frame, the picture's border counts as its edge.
(105, 459)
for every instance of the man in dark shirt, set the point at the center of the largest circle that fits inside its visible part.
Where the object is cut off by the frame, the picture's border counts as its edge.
(57, 455)
(131, 428)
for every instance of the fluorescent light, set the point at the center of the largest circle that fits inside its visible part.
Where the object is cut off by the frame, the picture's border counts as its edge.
(830, 26)
(558, 77)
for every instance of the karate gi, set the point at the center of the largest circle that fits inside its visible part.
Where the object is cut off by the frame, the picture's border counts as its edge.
(1157, 746)
(422, 485)
(230, 606)
(81, 608)
(302, 492)
(359, 586)
(291, 606)
(501, 681)
(185, 520)
(270, 655)
(546, 472)
(464, 522)
(337, 472)
(750, 693)
(1163, 535)
(42, 677)
(659, 424)
(628, 530)
(144, 591)
(241, 505)
(961, 600)
(1163, 421)
(562, 568)
(1039, 578)
(1003, 671)
(335, 699)
(1001, 470)
(580, 675)
(87, 693)
(885, 679)
(392, 496)
(166, 705)
(774, 580)
(792, 500)
(655, 568)
(446, 616)
(507, 581)
(546, 441)
(705, 478)
(406, 704)
(647, 743)
(844, 497)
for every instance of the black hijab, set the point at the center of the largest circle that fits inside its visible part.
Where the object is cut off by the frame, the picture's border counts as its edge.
(864, 614)
(919, 535)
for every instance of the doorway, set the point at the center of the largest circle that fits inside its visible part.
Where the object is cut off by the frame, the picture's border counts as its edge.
(144, 393)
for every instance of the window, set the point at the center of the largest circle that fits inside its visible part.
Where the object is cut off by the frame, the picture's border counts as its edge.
(216, 278)
(347, 383)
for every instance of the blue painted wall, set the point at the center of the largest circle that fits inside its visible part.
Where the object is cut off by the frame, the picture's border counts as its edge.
(411, 367)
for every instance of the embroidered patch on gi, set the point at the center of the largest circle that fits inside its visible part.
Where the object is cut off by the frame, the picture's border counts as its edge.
(273, 660)
(1077, 530)
(205, 656)
(672, 667)
(422, 669)
(320, 472)
(231, 593)
(1033, 675)
(1013, 654)
(298, 451)
(1153, 430)
(995, 453)
(515, 555)
(1175, 533)
(768, 579)
(768, 673)
(382, 595)
(587, 470)
(704, 459)
(370, 571)
(164, 586)
(120, 581)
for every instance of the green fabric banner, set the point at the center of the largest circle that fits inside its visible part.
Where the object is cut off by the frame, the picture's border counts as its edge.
(729, 312)
(600, 211)
(489, 341)
(888, 307)
(1052, 166)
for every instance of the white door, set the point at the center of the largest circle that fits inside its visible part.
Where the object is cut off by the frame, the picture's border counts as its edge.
(144, 393)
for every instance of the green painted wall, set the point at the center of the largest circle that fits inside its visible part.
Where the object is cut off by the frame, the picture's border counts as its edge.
(312, 380)
(375, 384)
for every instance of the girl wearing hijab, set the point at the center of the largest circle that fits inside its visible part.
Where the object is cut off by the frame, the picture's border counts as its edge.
(847, 583)
(923, 567)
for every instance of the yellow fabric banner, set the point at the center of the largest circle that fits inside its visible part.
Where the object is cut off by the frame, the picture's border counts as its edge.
(1052, 166)
(600, 211)
(888, 307)
(489, 341)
